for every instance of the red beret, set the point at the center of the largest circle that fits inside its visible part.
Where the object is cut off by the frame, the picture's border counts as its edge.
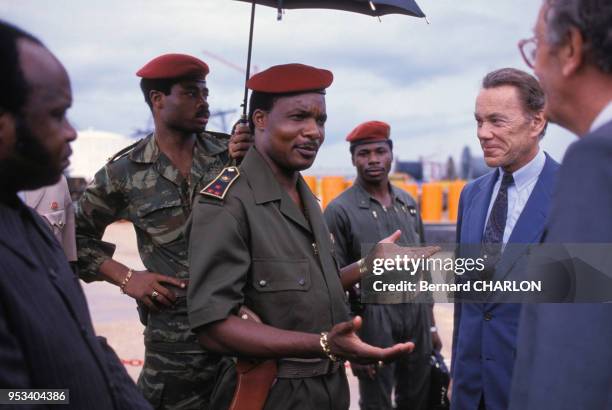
(288, 78)
(173, 66)
(370, 131)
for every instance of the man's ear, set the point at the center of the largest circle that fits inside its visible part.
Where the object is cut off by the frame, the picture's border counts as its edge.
(260, 119)
(7, 134)
(157, 99)
(538, 122)
(571, 54)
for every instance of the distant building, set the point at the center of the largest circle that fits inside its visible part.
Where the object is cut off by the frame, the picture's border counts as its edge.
(91, 151)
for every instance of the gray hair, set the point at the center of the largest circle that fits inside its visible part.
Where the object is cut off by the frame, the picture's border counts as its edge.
(530, 92)
(592, 18)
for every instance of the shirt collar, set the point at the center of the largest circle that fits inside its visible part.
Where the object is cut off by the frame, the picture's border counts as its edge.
(528, 172)
(364, 196)
(603, 117)
(260, 176)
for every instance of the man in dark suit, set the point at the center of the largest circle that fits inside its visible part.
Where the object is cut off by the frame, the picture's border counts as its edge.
(563, 351)
(47, 340)
(506, 206)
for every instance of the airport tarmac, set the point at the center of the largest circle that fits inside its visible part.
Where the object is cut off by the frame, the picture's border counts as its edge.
(114, 314)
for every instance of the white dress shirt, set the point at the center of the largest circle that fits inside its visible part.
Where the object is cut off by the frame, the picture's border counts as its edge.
(603, 117)
(518, 193)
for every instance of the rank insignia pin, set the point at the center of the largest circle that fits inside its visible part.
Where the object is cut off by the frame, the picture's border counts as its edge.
(219, 186)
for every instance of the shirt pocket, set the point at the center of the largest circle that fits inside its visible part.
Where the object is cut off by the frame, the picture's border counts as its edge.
(162, 218)
(277, 275)
(56, 221)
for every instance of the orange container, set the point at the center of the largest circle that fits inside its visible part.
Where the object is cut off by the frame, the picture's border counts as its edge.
(311, 180)
(410, 187)
(454, 192)
(431, 202)
(331, 187)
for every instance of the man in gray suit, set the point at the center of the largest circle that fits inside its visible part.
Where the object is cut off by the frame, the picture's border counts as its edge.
(563, 353)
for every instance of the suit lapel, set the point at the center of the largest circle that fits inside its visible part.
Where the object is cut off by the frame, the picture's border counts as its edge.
(530, 225)
(478, 206)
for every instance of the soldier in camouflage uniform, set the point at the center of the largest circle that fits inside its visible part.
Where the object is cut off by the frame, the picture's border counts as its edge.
(152, 184)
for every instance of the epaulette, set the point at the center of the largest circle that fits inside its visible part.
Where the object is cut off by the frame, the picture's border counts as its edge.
(124, 151)
(219, 186)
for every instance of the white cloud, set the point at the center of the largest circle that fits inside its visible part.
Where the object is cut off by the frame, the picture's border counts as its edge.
(422, 78)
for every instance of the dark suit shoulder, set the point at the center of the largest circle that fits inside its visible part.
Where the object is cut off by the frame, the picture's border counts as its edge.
(472, 186)
(589, 155)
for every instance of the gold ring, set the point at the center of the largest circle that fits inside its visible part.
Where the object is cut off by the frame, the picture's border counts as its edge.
(154, 294)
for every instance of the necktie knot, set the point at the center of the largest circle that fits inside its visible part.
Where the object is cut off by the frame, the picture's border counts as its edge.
(507, 179)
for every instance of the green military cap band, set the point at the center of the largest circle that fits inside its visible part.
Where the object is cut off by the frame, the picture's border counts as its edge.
(219, 186)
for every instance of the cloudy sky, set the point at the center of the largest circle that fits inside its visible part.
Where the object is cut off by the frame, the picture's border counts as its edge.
(421, 78)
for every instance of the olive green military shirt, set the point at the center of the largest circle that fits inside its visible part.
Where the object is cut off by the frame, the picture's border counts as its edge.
(358, 222)
(143, 187)
(255, 247)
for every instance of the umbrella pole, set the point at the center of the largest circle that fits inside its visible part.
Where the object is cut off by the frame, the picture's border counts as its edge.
(248, 67)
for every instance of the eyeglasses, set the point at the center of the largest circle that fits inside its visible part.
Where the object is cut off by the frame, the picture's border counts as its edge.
(528, 49)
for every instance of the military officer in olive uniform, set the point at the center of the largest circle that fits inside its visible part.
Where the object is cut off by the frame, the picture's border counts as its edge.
(361, 216)
(258, 238)
(152, 184)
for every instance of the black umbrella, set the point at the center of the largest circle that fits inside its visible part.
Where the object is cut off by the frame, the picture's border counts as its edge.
(374, 8)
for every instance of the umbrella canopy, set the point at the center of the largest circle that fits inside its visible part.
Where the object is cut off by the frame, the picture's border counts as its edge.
(374, 8)
(371, 8)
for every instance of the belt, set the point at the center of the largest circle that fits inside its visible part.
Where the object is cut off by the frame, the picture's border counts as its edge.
(293, 368)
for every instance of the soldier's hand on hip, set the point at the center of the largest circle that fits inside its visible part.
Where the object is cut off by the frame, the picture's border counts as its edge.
(387, 249)
(241, 141)
(345, 344)
(151, 289)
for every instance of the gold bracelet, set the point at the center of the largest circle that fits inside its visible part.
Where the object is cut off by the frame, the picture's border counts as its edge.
(325, 346)
(363, 268)
(125, 281)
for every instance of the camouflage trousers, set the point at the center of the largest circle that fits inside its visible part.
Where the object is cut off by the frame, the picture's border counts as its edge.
(178, 381)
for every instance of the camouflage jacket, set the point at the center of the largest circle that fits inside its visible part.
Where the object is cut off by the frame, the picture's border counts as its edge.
(142, 186)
